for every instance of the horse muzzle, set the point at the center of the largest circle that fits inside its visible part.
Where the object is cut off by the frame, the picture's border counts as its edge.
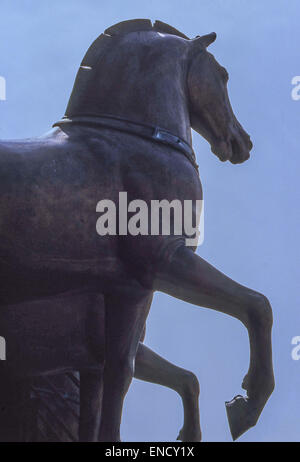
(236, 149)
(241, 147)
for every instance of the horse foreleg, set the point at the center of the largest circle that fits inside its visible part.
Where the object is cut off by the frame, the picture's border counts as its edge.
(190, 278)
(91, 387)
(125, 316)
(151, 367)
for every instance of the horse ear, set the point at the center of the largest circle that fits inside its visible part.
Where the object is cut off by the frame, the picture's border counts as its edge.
(205, 40)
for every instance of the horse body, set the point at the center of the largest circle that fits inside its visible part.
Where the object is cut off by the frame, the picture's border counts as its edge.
(59, 250)
(154, 75)
(58, 180)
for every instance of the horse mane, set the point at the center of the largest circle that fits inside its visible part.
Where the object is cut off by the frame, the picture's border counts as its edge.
(142, 25)
(100, 47)
(122, 28)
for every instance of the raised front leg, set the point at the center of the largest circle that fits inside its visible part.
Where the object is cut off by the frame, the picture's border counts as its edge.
(193, 280)
(151, 367)
(125, 316)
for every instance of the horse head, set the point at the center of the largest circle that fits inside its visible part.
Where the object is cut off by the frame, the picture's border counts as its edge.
(211, 113)
(154, 74)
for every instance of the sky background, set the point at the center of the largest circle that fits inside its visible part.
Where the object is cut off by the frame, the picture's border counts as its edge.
(251, 210)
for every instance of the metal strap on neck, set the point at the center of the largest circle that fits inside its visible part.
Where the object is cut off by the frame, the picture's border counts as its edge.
(145, 131)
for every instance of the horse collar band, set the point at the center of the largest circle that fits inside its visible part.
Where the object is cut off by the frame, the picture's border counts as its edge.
(144, 131)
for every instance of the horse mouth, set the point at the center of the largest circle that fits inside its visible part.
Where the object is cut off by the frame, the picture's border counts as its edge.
(241, 150)
(236, 150)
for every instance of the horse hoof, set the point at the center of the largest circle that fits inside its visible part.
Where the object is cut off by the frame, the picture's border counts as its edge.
(189, 437)
(241, 415)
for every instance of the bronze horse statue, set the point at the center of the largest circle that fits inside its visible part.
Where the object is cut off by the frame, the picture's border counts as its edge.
(140, 89)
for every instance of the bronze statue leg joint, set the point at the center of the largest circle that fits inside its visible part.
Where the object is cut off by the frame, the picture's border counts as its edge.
(259, 312)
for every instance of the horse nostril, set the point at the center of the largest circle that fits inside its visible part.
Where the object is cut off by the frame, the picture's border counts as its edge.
(248, 141)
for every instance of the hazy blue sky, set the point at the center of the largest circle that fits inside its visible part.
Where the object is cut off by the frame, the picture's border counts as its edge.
(251, 211)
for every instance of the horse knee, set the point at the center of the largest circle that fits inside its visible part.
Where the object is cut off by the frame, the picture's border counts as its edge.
(259, 311)
(190, 385)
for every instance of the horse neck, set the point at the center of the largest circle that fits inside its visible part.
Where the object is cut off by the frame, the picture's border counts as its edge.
(137, 82)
